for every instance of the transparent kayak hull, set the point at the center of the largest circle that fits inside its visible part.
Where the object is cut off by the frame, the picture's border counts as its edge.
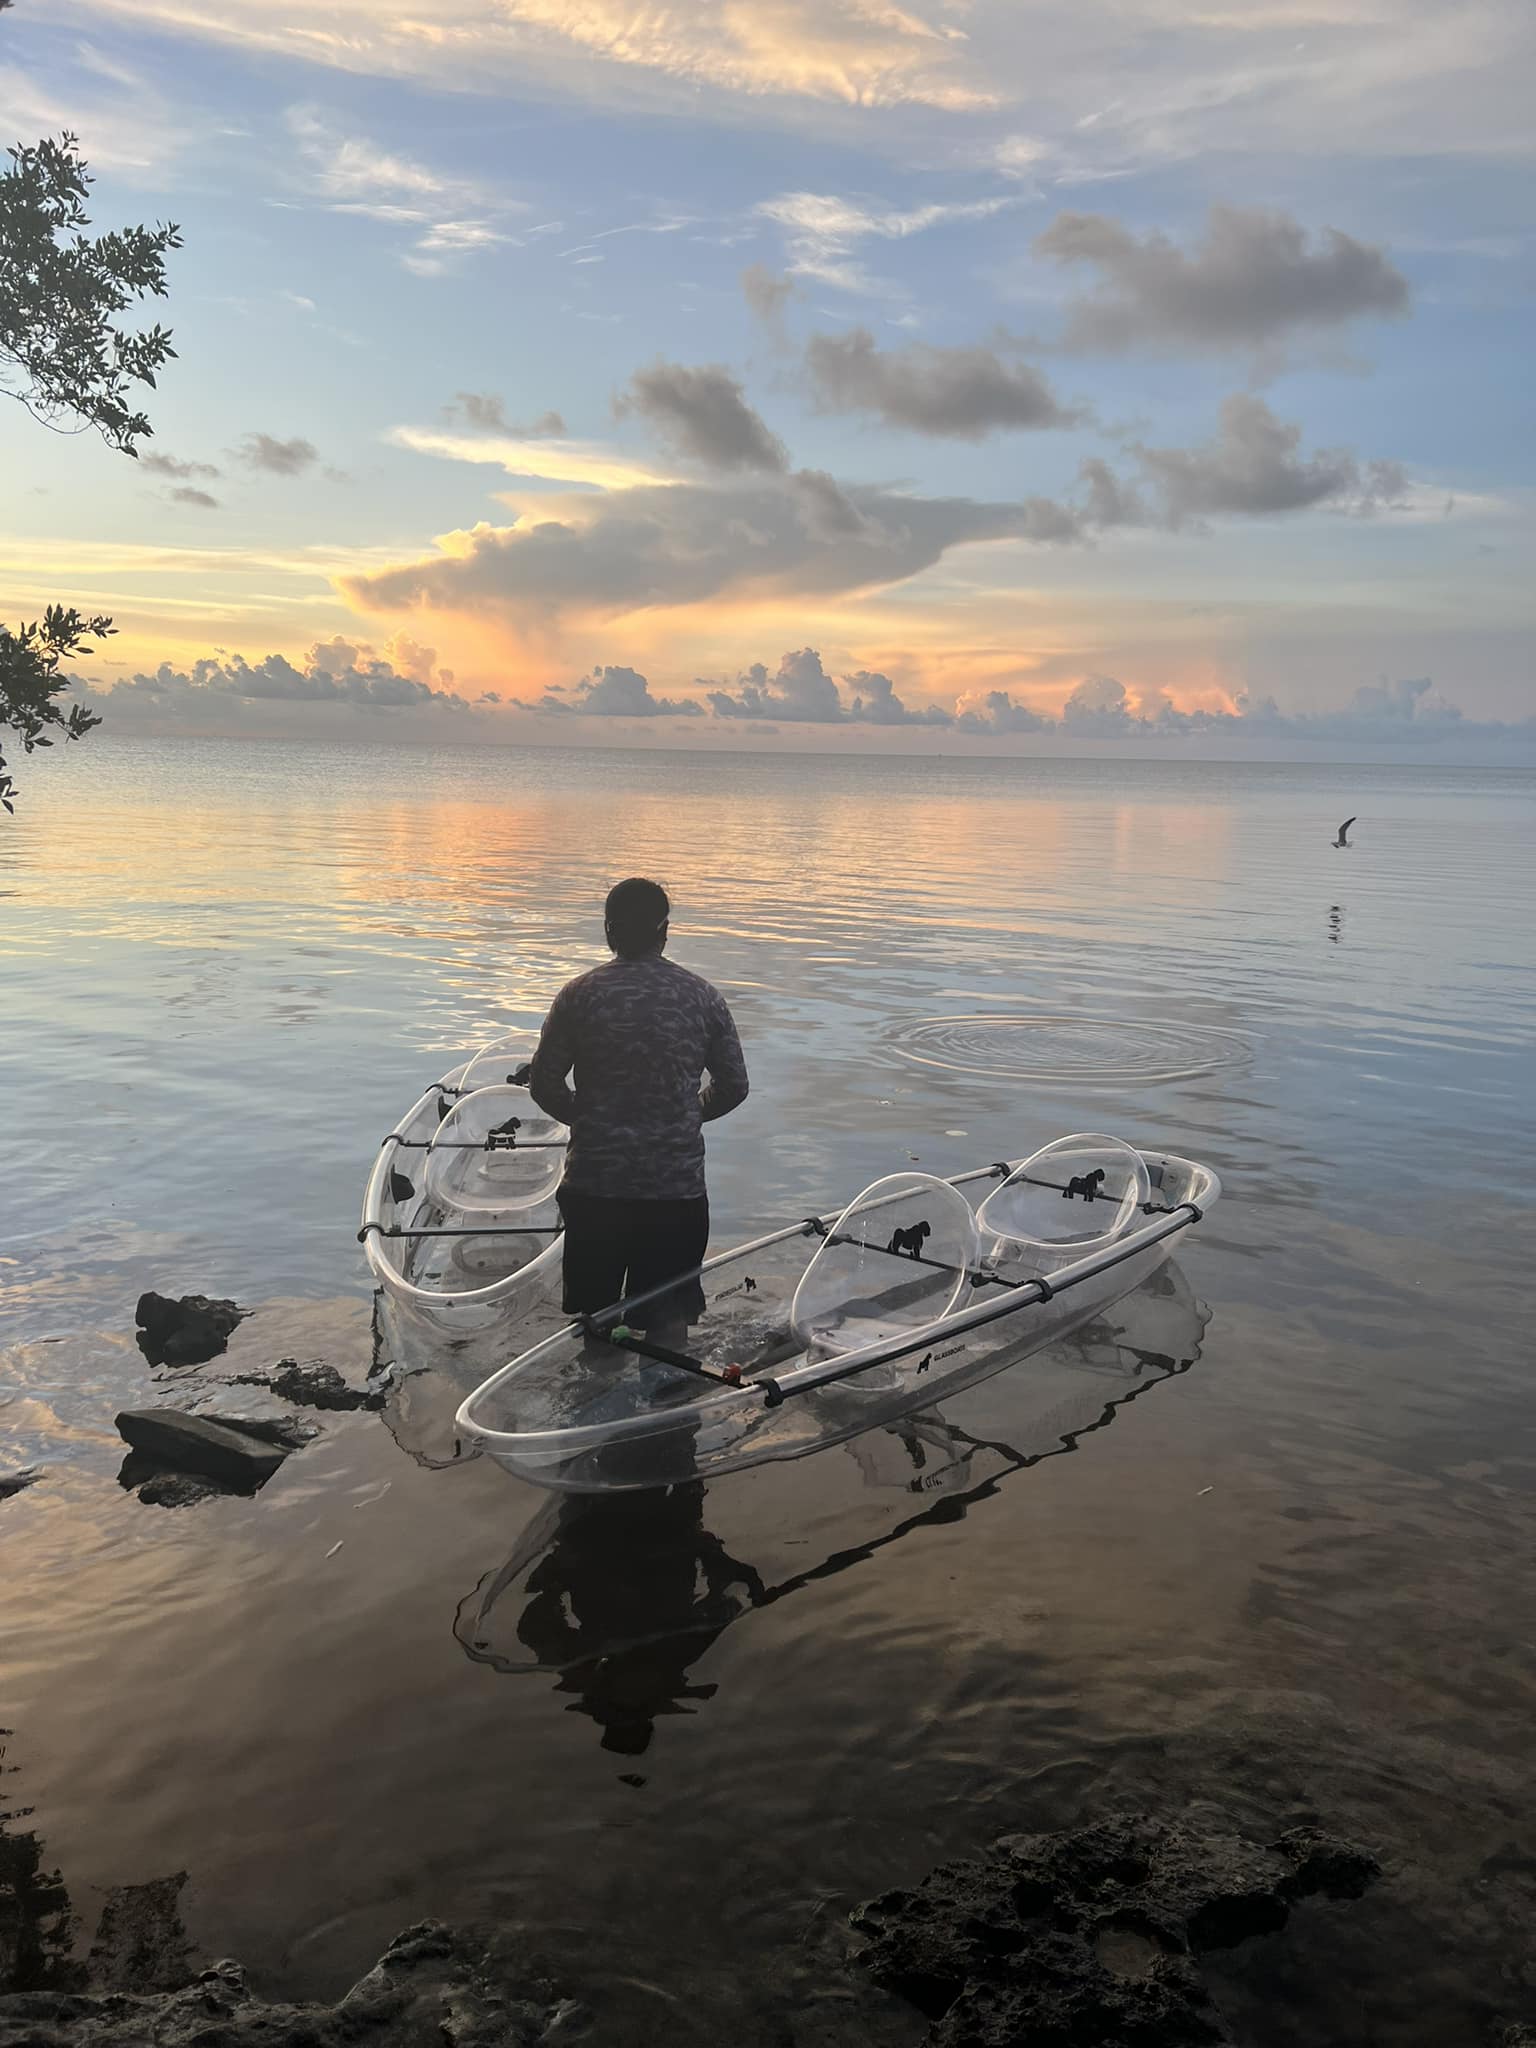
(464, 1234)
(578, 1412)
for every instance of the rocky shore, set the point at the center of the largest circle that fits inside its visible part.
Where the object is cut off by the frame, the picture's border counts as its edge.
(1090, 1938)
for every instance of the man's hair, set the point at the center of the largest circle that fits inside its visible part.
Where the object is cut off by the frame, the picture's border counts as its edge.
(635, 916)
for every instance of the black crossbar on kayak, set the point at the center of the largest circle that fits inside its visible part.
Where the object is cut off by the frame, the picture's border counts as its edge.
(465, 1230)
(978, 1277)
(1027, 1180)
(623, 1338)
(496, 1141)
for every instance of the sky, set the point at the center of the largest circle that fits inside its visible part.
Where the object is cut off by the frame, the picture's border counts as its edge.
(979, 375)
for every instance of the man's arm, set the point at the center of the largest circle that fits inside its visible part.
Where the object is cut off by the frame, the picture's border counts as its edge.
(553, 1061)
(726, 1088)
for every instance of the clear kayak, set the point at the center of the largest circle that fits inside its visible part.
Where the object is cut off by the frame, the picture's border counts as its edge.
(622, 1591)
(831, 1326)
(459, 1224)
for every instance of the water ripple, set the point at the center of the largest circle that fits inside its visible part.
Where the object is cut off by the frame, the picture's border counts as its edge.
(1080, 1051)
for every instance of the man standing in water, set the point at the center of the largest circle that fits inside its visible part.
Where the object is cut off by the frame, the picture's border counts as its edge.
(639, 1034)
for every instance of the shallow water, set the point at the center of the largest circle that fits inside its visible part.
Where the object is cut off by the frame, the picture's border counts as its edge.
(1293, 1580)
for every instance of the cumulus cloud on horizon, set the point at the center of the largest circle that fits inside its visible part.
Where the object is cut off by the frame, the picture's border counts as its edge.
(615, 692)
(403, 678)
(335, 671)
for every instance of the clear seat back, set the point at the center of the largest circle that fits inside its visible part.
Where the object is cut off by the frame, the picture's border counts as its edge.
(900, 1256)
(1072, 1196)
(521, 1168)
(494, 1065)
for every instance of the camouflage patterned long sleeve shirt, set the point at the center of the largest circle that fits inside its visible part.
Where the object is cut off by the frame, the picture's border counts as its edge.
(638, 1038)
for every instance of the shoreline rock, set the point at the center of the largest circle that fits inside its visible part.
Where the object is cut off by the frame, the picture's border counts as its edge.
(185, 1331)
(173, 1441)
(312, 1385)
(433, 1984)
(1092, 1937)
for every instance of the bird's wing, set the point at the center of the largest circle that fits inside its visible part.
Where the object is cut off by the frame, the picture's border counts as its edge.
(1346, 825)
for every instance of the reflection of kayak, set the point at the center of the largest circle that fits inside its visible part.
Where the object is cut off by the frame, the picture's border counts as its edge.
(624, 1592)
(459, 1217)
(820, 1331)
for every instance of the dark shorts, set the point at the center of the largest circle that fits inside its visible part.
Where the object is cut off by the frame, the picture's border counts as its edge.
(615, 1249)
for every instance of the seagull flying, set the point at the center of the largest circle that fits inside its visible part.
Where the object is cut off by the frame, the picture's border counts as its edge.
(1343, 838)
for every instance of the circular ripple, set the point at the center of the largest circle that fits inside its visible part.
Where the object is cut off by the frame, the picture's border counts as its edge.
(1075, 1051)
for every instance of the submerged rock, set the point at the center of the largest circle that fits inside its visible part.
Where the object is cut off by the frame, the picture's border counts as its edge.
(187, 1331)
(174, 1441)
(1090, 1938)
(313, 1385)
(431, 1986)
(141, 1944)
(180, 1490)
(287, 1432)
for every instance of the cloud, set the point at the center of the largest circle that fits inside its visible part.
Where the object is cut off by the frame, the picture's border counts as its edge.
(449, 238)
(864, 53)
(1254, 467)
(702, 416)
(767, 295)
(618, 693)
(680, 543)
(958, 393)
(337, 671)
(1254, 280)
(1100, 708)
(352, 167)
(800, 690)
(357, 176)
(487, 411)
(1100, 85)
(167, 465)
(550, 461)
(875, 702)
(822, 230)
(188, 494)
(996, 712)
(277, 458)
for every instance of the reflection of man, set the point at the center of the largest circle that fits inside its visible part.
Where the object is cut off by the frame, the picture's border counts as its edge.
(641, 1034)
(617, 1601)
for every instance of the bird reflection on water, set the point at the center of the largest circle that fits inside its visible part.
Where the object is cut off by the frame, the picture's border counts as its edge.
(623, 1593)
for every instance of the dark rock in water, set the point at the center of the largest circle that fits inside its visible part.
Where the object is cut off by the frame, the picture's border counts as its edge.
(286, 1431)
(17, 1482)
(1090, 1938)
(184, 1332)
(140, 1942)
(431, 1986)
(178, 1442)
(311, 1386)
(182, 1490)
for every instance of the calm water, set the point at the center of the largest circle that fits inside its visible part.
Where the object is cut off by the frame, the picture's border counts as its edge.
(1295, 1580)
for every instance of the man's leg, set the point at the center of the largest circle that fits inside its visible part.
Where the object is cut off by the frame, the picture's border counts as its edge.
(595, 1252)
(667, 1240)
